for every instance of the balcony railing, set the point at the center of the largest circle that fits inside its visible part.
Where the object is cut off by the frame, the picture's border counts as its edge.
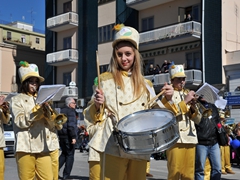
(144, 4)
(64, 57)
(192, 27)
(63, 22)
(194, 77)
(17, 41)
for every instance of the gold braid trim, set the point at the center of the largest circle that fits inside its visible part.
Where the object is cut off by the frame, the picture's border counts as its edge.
(123, 104)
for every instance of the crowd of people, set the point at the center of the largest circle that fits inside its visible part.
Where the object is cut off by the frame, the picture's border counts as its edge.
(121, 91)
(152, 70)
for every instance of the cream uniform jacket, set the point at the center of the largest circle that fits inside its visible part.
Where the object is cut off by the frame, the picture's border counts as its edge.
(4, 119)
(32, 131)
(186, 120)
(120, 103)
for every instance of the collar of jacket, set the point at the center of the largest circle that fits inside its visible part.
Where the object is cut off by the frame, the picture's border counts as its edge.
(35, 95)
(126, 74)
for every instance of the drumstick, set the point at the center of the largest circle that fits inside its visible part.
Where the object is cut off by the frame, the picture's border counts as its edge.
(155, 98)
(98, 71)
(98, 75)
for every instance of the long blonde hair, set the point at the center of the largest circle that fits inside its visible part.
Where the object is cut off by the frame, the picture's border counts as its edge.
(137, 78)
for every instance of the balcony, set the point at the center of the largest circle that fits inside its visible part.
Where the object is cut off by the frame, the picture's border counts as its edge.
(65, 57)
(170, 35)
(193, 80)
(17, 41)
(63, 22)
(145, 4)
(70, 91)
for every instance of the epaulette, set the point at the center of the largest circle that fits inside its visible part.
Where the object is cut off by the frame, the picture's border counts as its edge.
(149, 82)
(106, 76)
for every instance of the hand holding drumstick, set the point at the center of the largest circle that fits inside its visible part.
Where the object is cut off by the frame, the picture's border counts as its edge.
(98, 99)
(167, 91)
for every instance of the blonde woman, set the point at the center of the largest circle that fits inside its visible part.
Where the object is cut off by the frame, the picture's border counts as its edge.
(122, 92)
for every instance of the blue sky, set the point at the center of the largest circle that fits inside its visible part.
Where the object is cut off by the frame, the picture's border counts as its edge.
(28, 11)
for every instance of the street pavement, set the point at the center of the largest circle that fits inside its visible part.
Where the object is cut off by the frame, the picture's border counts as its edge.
(80, 169)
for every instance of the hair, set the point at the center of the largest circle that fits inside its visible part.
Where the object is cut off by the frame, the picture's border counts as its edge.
(137, 78)
(68, 100)
(24, 88)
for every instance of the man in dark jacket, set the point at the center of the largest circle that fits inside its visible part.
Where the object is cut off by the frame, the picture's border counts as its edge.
(207, 146)
(67, 136)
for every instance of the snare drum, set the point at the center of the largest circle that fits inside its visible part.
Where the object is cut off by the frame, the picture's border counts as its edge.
(147, 131)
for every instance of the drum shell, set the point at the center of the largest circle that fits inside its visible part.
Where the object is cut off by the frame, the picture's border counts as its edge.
(152, 140)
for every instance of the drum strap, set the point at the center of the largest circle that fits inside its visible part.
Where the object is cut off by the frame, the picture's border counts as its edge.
(153, 95)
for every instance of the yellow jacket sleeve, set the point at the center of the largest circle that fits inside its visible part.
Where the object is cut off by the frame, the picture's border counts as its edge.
(37, 112)
(170, 105)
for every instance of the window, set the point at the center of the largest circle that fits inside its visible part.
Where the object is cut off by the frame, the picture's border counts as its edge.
(104, 1)
(9, 36)
(67, 43)
(23, 39)
(105, 33)
(147, 24)
(193, 60)
(67, 78)
(67, 7)
(103, 68)
(37, 41)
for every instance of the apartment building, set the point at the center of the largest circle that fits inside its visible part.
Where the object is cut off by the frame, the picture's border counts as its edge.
(78, 32)
(208, 45)
(77, 29)
(18, 42)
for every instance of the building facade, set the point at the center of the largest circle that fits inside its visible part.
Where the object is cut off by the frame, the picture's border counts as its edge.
(18, 42)
(77, 29)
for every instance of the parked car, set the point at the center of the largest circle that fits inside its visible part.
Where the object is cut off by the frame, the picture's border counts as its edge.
(9, 138)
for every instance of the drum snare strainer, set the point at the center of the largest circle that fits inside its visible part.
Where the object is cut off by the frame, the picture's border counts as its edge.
(147, 131)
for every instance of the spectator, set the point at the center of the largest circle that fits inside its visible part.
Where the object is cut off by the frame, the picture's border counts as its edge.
(235, 142)
(207, 146)
(158, 68)
(67, 136)
(188, 25)
(151, 70)
(188, 18)
(165, 66)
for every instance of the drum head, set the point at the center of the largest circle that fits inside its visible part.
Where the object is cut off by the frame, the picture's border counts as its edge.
(142, 121)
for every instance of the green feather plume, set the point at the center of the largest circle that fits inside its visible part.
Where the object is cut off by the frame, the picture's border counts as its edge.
(24, 63)
(96, 81)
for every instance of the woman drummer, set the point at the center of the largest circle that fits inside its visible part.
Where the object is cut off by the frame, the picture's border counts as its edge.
(31, 129)
(123, 91)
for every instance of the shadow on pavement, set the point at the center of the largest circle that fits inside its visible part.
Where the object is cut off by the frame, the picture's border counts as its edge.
(73, 177)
